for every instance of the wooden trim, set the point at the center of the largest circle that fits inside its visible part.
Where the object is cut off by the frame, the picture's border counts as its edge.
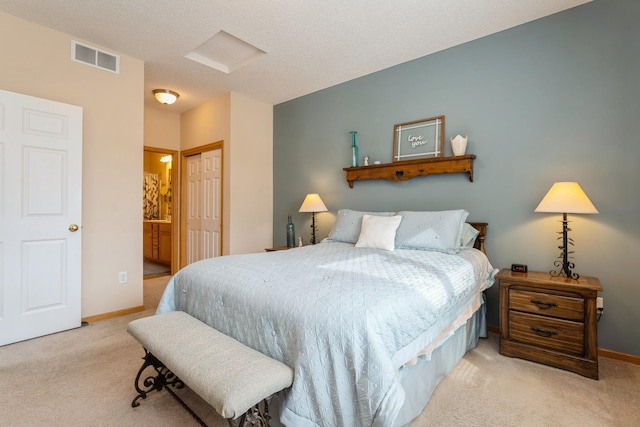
(183, 195)
(602, 352)
(153, 276)
(113, 314)
(629, 358)
(160, 150)
(202, 148)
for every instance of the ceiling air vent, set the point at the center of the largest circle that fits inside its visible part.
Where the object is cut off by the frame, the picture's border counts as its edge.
(95, 57)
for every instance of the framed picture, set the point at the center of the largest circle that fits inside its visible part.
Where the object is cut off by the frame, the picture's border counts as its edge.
(418, 139)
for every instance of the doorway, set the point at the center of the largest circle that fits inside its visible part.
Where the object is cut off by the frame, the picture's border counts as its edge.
(159, 228)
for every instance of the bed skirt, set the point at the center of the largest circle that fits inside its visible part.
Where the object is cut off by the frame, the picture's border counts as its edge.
(420, 380)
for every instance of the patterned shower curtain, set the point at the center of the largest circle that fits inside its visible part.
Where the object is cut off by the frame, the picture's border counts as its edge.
(150, 193)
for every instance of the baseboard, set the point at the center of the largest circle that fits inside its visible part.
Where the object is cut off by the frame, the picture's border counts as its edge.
(629, 358)
(113, 314)
(602, 352)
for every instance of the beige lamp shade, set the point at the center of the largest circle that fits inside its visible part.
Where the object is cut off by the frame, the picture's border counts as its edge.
(566, 197)
(312, 203)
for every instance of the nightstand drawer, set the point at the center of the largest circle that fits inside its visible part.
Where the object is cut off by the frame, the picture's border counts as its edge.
(540, 331)
(562, 307)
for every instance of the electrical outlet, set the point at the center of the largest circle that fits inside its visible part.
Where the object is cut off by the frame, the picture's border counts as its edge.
(122, 277)
(600, 304)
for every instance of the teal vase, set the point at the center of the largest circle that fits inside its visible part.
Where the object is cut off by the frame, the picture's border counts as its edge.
(291, 233)
(354, 150)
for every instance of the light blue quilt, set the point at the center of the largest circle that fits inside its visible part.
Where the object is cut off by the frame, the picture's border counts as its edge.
(344, 318)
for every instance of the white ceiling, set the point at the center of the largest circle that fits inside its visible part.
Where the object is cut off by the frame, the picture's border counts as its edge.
(309, 44)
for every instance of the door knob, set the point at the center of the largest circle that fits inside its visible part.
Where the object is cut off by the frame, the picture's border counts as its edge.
(73, 228)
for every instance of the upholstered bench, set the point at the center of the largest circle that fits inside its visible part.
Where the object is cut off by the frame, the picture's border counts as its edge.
(233, 378)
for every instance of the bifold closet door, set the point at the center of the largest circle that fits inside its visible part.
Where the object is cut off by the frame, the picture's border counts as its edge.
(204, 210)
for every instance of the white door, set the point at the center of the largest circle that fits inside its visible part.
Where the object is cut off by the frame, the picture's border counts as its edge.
(211, 198)
(40, 216)
(194, 208)
(204, 198)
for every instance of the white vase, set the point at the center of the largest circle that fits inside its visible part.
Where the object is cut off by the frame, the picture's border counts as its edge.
(459, 145)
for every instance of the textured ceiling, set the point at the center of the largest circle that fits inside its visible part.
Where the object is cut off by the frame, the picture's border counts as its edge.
(310, 45)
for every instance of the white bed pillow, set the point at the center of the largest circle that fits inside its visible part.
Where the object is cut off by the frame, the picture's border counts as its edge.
(437, 230)
(348, 225)
(378, 232)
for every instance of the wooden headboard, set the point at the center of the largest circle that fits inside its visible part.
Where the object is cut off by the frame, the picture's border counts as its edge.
(482, 228)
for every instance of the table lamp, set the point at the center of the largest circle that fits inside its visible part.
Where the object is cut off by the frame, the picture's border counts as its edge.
(313, 203)
(564, 198)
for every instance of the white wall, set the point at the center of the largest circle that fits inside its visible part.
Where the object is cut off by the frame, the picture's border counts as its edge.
(116, 127)
(206, 124)
(36, 61)
(161, 129)
(246, 127)
(251, 174)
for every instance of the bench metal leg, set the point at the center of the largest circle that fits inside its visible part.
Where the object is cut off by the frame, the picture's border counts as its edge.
(256, 416)
(163, 378)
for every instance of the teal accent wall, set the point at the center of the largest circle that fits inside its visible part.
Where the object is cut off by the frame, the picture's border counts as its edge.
(557, 99)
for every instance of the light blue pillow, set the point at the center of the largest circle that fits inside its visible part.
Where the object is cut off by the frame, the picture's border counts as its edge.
(468, 236)
(437, 230)
(348, 225)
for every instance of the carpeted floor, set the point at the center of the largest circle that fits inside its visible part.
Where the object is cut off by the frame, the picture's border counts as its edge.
(84, 377)
(153, 269)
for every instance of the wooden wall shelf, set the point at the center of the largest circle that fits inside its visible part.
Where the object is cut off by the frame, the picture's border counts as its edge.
(407, 169)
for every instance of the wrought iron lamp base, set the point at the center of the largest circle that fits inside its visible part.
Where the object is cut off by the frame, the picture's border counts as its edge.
(313, 228)
(563, 263)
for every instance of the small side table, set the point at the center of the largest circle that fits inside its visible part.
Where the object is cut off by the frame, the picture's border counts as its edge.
(550, 320)
(279, 248)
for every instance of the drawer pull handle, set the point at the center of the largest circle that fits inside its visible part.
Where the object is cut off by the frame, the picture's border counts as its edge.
(543, 305)
(543, 332)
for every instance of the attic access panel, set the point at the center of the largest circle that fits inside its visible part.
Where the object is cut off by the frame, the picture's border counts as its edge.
(225, 52)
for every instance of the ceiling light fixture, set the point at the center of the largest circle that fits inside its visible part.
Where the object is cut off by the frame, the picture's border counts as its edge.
(165, 96)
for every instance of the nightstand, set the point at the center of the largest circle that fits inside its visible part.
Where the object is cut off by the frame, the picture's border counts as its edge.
(279, 248)
(550, 320)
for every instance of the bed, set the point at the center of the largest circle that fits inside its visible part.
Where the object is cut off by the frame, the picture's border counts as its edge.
(371, 319)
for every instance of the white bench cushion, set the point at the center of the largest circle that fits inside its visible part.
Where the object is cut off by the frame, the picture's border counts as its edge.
(230, 376)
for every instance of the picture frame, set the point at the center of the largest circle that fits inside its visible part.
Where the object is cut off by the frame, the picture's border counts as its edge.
(418, 139)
